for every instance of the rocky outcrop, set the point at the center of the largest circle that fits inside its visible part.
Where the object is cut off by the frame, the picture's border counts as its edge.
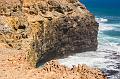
(47, 29)
(57, 71)
(14, 66)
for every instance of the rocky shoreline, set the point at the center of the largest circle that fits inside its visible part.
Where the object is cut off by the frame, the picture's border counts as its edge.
(13, 65)
(47, 29)
(33, 31)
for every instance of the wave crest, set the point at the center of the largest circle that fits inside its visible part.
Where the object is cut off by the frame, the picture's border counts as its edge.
(101, 20)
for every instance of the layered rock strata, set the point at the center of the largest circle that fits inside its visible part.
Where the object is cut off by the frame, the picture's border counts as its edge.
(47, 29)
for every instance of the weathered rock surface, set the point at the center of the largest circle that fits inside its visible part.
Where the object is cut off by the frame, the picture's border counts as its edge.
(13, 65)
(47, 29)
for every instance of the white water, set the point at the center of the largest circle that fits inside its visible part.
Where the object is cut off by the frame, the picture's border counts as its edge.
(107, 56)
(104, 58)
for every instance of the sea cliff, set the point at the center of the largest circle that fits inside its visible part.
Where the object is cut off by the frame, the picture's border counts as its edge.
(36, 31)
(47, 29)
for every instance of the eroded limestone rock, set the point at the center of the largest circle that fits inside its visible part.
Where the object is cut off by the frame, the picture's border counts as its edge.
(47, 29)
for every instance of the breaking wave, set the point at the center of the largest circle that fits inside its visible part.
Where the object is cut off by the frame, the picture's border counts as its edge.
(101, 20)
(107, 56)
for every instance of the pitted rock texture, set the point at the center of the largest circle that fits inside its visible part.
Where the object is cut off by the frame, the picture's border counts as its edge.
(13, 65)
(47, 29)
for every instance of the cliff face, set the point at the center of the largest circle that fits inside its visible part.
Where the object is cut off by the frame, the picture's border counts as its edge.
(47, 29)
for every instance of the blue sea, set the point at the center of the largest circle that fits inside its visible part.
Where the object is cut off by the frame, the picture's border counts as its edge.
(107, 56)
(108, 16)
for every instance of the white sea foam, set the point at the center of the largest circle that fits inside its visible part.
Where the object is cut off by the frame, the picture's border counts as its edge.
(97, 58)
(103, 26)
(103, 58)
(83, 59)
(106, 56)
(106, 27)
(112, 25)
(93, 58)
(101, 20)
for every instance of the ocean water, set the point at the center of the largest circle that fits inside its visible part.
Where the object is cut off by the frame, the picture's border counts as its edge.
(107, 56)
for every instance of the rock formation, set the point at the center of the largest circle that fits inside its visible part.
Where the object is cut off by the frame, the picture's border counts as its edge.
(14, 66)
(47, 29)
